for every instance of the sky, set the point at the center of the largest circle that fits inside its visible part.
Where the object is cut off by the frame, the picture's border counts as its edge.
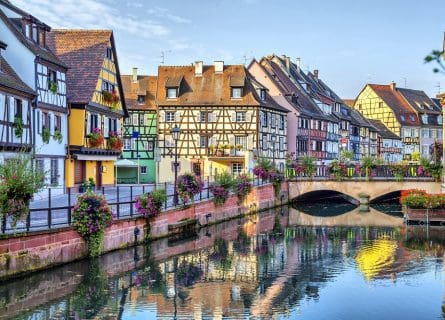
(350, 42)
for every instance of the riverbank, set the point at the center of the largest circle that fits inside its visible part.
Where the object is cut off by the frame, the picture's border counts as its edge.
(29, 252)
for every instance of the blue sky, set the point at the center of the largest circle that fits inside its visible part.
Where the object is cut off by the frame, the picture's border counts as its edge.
(350, 42)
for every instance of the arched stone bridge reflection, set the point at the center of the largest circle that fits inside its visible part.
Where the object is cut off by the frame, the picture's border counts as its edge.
(352, 188)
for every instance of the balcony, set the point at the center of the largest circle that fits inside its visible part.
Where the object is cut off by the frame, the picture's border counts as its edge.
(226, 154)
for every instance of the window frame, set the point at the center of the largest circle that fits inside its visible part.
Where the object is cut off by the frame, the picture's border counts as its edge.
(169, 90)
(238, 90)
(170, 116)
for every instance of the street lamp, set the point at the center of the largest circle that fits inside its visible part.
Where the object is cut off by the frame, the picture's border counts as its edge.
(273, 138)
(176, 131)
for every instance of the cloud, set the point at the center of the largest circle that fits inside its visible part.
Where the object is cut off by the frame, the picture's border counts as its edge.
(165, 14)
(90, 14)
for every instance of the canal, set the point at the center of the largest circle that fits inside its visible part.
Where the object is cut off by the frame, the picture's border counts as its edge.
(316, 260)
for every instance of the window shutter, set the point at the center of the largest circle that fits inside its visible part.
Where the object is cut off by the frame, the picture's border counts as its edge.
(198, 117)
(88, 128)
(106, 127)
(248, 116)
(162, 116)
(11, 109)
(233, 116)
(177, 116)
(249, 140)
(211, 117)
(25, 112)
(198, 143)
(39, 122)
(51, 123)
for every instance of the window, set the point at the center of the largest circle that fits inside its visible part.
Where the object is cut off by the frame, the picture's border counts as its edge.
(27, 30)
(18, 108)
(94, 122)
(282, 143)
(264, 141)
(240, 116)
(40, 165)
(57, 123)
(439, 119)
(237, 168)
(203, 141)
(203, 116)
(304, 123)
(141, 99)
(237, 93)
(135, 118)
(141, 120)
(240, 141)
(149, 146)
(425, 132)
(264, 118)
(45, 120)
(425, 118)
(380, 105)
(127, 144)
(281, 122)
(302, 145)
(143, 169)
(128, 121)
(172, 93)
(35, 33)
(52, 78)
(263, 94)
(272, 120)
(107, 86)
(402, 118)
(54, 172)
(412, 118)
(109, 54)
(317, 145)
(169, 116)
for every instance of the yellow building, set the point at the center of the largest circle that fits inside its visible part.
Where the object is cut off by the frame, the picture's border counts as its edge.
(97, 104)
(225, 119)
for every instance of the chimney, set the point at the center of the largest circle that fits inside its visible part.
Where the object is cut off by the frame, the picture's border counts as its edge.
(392, 85)
(298, 62)
(286, 62)
(219, 66)
(198, 68)
(316, 73)
(135, 75)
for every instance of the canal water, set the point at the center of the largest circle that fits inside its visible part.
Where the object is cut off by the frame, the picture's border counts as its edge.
(280, 264)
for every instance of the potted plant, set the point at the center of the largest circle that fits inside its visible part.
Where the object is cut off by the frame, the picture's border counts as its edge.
(58, 136)
(276, 178)
(53, 86)
(18, 127)
(107, 96)
(221, 188)
(243, 186)
(188, 185)
(309, 166)
(91, 216)
(115, 141)
(150, 204)
(46, 134)
(19, 181)
(262, 168)
(96, 139)
(87, 185)
(238, 146)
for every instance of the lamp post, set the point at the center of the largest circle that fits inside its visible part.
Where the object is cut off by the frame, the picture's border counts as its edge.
(273, 138)
(176, 131)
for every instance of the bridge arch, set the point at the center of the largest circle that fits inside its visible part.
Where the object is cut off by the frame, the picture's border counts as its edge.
(353, 188)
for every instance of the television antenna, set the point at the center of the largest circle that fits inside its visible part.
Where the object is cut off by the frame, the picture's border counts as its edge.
(163, 55)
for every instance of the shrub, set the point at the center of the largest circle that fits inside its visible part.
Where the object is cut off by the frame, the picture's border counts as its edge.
(188, 185)
(338, 170)
(263, 167)
(150, 204)
(308, 165)
(432, 168)
(19, 180)
(91, 216)
(276, 178)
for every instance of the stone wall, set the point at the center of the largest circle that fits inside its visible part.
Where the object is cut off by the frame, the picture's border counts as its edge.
(26, 253)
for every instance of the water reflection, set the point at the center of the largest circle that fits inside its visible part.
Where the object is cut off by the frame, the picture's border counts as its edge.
(263, 266)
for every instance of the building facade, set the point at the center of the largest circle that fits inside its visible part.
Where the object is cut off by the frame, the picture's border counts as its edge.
(97, 105)
(41, 70)
(15, 111)
(139, 134)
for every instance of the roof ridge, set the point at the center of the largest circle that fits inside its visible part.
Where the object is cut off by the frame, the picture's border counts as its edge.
(82, 30)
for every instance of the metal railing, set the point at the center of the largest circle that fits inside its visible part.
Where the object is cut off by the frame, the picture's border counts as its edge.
(380, 172)
(53, 208)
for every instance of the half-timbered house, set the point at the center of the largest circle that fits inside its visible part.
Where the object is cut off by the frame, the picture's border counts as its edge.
(97, 105)
(218, 112)
(15, 111)
(139, 133)
(41, 70)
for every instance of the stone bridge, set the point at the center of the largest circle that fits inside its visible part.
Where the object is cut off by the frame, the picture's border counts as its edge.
(352, 188)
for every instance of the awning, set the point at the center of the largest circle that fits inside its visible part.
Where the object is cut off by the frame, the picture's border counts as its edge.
(125, 163)
(92, 157)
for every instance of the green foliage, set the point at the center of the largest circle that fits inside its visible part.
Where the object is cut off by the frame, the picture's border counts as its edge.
(150, 204)
(433, 168)
(46, 135)
(58, 136)
(88, 185)
(337, 169)
(19, 180)
(91, 216)
(367, 164)
(398, 171)
(53, 87)
(243, 186)
(438, 57)
(308, 165)
(346, 155)
(220, 189)
(18, 127)
(225, 180)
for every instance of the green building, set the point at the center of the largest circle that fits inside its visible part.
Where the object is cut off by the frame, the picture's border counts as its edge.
(137, 163)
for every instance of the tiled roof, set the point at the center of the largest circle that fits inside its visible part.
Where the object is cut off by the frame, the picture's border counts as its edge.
(210, 88)
(42, 52)
(10, 79)
(419, 101)
(84, 52)
(349, 102)
(382, 130)
(269, 101)
(145, 85)
(405, 114)
(438, 104)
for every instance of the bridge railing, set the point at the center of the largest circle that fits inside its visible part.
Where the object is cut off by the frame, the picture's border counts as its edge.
(380, 172)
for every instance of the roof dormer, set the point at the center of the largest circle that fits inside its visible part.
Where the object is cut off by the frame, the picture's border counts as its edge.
(236, 87)
(172, 86)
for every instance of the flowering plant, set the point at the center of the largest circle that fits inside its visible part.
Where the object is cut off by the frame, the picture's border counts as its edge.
(262, 168)
(91, 216)
(19, 180)
(96, 138)
(116, 141)
(243, 186)
(110, 97)
(337, 169)
(224, 182)
(276, 178)
(150, 204)
(188, 185)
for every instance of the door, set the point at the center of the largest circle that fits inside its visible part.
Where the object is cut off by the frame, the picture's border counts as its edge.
(197, 168)
(98, 174)
(79, 171)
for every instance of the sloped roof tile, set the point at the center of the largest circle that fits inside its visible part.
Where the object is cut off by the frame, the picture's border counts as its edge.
(145, 85)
